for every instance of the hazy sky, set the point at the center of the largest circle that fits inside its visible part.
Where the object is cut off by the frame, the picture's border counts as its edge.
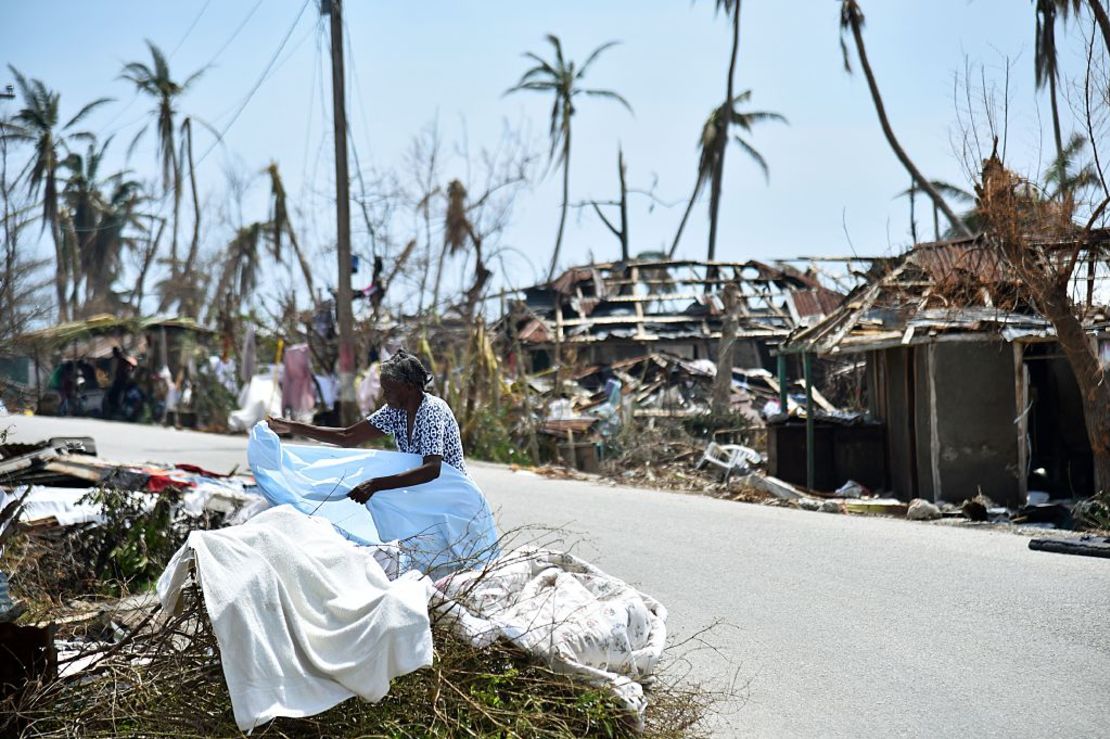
(413, 63)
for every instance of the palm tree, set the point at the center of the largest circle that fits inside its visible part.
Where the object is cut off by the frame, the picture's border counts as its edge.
(851, 21)
(157, 82)
(562, 78)
(98, 224)
(240, 269)
(1045, 58)
(84, 202)
(37, 123)
(721, 124)
(709, 160)
(279, 219)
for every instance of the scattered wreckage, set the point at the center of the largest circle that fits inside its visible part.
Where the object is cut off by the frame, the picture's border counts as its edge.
(218, 593)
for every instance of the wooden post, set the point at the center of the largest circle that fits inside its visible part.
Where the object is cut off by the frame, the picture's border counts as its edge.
(342, 221)
(722, 383)
(1021, 396)
(934, 421)
(784, 400)
(807, 360)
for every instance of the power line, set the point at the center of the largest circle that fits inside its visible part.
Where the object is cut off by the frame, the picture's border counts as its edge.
(258, 84)
(192, 25)
(234, 35)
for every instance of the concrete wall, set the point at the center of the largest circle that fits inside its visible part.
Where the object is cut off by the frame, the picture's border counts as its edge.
(976, 441)
(975, 409)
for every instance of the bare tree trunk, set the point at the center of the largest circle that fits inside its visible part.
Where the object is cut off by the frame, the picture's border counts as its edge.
(722, 383)
(9, 239)
(148, 259)
(74, 256)
(722, 142)
(1057, 308)
(624, 208)
(924, 184)
(685, 215)
(563, 217)
(1055, 116)
(1102, 19)
(62, 270)
(193, 308)
(427, 256)
(301, 259)
(167, 299)
(439, 277)
(913, 213)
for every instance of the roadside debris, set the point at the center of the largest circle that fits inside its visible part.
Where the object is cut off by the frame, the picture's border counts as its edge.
(1087, 546)
(91, 653)
(922, 510)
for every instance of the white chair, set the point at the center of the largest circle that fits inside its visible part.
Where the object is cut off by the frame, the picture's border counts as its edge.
(730, 458)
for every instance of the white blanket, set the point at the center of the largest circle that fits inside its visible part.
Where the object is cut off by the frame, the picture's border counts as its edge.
(566, 611)
(304, 618)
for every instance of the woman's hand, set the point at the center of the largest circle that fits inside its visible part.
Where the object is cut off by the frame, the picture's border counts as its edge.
(364, 491)
(279, 425)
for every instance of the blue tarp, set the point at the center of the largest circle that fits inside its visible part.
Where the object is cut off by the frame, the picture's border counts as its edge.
(442, 525)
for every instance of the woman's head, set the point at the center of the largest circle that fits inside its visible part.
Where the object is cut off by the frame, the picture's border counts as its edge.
(403, 378)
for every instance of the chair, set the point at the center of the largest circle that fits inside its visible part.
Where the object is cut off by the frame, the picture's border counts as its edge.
(730, 458)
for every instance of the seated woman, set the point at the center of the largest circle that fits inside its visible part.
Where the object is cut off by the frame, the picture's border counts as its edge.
(420, 424)
(450, 516)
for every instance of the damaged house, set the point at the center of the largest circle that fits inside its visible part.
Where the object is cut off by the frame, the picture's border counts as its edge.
(964, 377)
(606, 313)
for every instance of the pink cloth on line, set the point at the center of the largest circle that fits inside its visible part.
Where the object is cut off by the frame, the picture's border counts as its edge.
(298, 392)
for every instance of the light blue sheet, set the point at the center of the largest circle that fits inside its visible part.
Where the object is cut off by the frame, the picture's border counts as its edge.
(443, 525)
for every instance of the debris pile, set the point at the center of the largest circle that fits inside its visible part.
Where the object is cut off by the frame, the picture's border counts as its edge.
(83, 539)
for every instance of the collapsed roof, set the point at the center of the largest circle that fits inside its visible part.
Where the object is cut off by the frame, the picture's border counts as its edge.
(944, 287)
(649, 300)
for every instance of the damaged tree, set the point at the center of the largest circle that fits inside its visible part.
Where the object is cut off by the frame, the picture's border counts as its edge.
(851, 21)
(1038, 238)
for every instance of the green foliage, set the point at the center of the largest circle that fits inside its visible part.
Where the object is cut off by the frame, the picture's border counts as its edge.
(212, 402)
(493, 439)
(131, 548)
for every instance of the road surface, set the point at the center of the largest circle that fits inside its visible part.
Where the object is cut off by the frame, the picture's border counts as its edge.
(832, 625)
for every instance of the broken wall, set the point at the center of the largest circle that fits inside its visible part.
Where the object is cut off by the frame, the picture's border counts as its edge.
(970, 440)
(949, 410)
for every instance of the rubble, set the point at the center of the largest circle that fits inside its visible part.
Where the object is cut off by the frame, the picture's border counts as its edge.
(1087, 546)
(922, 510)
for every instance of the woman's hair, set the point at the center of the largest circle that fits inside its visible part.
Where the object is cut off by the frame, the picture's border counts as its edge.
(405, 368)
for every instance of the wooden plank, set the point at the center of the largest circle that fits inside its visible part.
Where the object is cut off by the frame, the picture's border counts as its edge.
(820, 399)
(934, 431)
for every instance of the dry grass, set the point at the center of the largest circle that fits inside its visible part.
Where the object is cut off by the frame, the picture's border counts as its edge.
(165, 679)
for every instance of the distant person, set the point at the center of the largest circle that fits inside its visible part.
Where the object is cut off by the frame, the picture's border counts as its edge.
(121, 367)
(67, 388)
(420, 423)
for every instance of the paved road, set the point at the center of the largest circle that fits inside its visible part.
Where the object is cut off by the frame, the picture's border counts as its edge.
(837, 625)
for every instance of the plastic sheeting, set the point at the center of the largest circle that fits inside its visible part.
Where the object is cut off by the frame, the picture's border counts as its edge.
(257, 399)
(566, 611)
(441, 526)
(304, 619)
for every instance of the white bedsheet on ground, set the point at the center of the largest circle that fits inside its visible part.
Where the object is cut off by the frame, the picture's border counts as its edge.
(304, 618)
(566, 611)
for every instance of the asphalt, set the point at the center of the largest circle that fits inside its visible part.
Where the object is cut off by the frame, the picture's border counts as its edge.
(818, 624)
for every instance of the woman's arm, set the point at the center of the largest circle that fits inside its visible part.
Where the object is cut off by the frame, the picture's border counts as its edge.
(416, 476)
(360, 433)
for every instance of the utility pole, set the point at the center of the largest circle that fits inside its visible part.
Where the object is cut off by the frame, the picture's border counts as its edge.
(342, 218)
